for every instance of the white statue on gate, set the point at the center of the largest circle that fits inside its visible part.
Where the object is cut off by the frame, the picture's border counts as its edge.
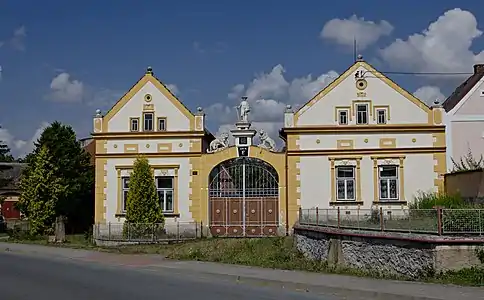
(266, 141)
(243, 109)
(220, 143)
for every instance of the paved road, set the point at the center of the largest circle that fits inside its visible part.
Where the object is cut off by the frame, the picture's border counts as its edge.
(40, 272)
(29, 277)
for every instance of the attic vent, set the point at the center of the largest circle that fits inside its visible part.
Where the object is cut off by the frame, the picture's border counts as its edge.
(481, 93)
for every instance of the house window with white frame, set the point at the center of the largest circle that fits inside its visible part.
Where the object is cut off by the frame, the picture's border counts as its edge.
(343, 117)
(134, 124)
(381, 116)
(165, 190)
(361, 114)
(124, 192)
(148, 121)
(388, 182)
(345, 183)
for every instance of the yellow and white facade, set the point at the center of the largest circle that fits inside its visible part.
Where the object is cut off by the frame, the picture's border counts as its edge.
(363, 142)
(148, 120)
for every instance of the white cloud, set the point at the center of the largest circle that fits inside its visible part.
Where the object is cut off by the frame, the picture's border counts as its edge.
(443, 47)
(18, 39)
(344, 31)
(173, 88)
(429, 94)
(19, 147)
(1, 73)
(65, 89)
(268, 95)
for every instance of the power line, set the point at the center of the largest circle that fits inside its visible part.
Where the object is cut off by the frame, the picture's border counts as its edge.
(428, 73)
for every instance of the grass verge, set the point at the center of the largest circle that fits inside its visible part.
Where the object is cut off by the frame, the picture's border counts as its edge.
(274, 253)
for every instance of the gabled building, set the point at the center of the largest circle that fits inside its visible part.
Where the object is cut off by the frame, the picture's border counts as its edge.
(365, 142)
(361, 142)
(464, 118)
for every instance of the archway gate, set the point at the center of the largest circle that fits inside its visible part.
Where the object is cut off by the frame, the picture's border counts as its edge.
(244, 198)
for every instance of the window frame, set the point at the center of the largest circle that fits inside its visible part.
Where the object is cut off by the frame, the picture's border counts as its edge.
(131, 122)
(158, 120)
(345, 180)
(165, 190)
(345, 111)
(385, 118)
(387, 180)
(124, 192)
(152, 121)
(358, 113)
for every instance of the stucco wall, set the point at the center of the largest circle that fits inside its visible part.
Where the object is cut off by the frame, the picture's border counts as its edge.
(176, 120)
(183, 191)
(402, 111)
(396, 256)
(467, 135)
(316, 175)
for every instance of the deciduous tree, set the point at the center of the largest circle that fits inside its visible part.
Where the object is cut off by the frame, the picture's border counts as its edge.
(73, 170)
(42, 192)
(5, 155)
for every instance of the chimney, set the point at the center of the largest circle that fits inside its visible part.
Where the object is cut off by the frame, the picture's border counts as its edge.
(479, 69)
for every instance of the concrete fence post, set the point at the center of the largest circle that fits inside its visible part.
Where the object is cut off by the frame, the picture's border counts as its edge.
(317, 216)
(382, 222)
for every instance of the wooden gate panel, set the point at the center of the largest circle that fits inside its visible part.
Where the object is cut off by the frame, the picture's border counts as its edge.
(235, 217)
(270, 211)
(253, 211)
(218, 216)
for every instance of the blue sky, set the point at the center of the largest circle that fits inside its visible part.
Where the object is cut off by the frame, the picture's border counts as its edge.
(96, 50)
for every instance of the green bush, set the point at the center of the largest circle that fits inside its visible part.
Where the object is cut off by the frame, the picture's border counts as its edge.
(429, 200)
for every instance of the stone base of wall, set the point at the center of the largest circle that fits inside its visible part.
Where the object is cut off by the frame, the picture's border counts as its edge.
(401, 258)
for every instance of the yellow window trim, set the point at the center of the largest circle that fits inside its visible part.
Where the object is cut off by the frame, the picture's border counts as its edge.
(401, 177)
(154, 118)
(131, 124)
(158, 123)
(333, 160)
(119, 202)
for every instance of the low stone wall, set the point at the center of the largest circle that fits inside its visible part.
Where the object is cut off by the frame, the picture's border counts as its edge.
(399, 254)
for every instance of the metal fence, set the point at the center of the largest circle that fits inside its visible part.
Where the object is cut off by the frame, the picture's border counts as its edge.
(147, 233)
(425, 221)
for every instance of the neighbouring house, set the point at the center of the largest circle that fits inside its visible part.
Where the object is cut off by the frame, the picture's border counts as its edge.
(364, 142)
(464, 118)
(9, 189)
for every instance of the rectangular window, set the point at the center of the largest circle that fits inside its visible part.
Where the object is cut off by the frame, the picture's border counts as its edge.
(343, 117)
(148, 121)
(134, 124)
(361, 114)
(124, 192)
(164, 188)
(345, 183)
(388, 178)
(381, 115)
(161, 124)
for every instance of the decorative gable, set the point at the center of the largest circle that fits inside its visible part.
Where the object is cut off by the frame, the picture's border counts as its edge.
(362, 86)
(148, 99)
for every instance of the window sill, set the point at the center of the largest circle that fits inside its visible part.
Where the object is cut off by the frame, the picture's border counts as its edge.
(166, 215)
(345, 203)
(392, 202)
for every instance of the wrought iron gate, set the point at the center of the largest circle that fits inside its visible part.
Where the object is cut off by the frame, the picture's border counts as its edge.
(244, 198)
